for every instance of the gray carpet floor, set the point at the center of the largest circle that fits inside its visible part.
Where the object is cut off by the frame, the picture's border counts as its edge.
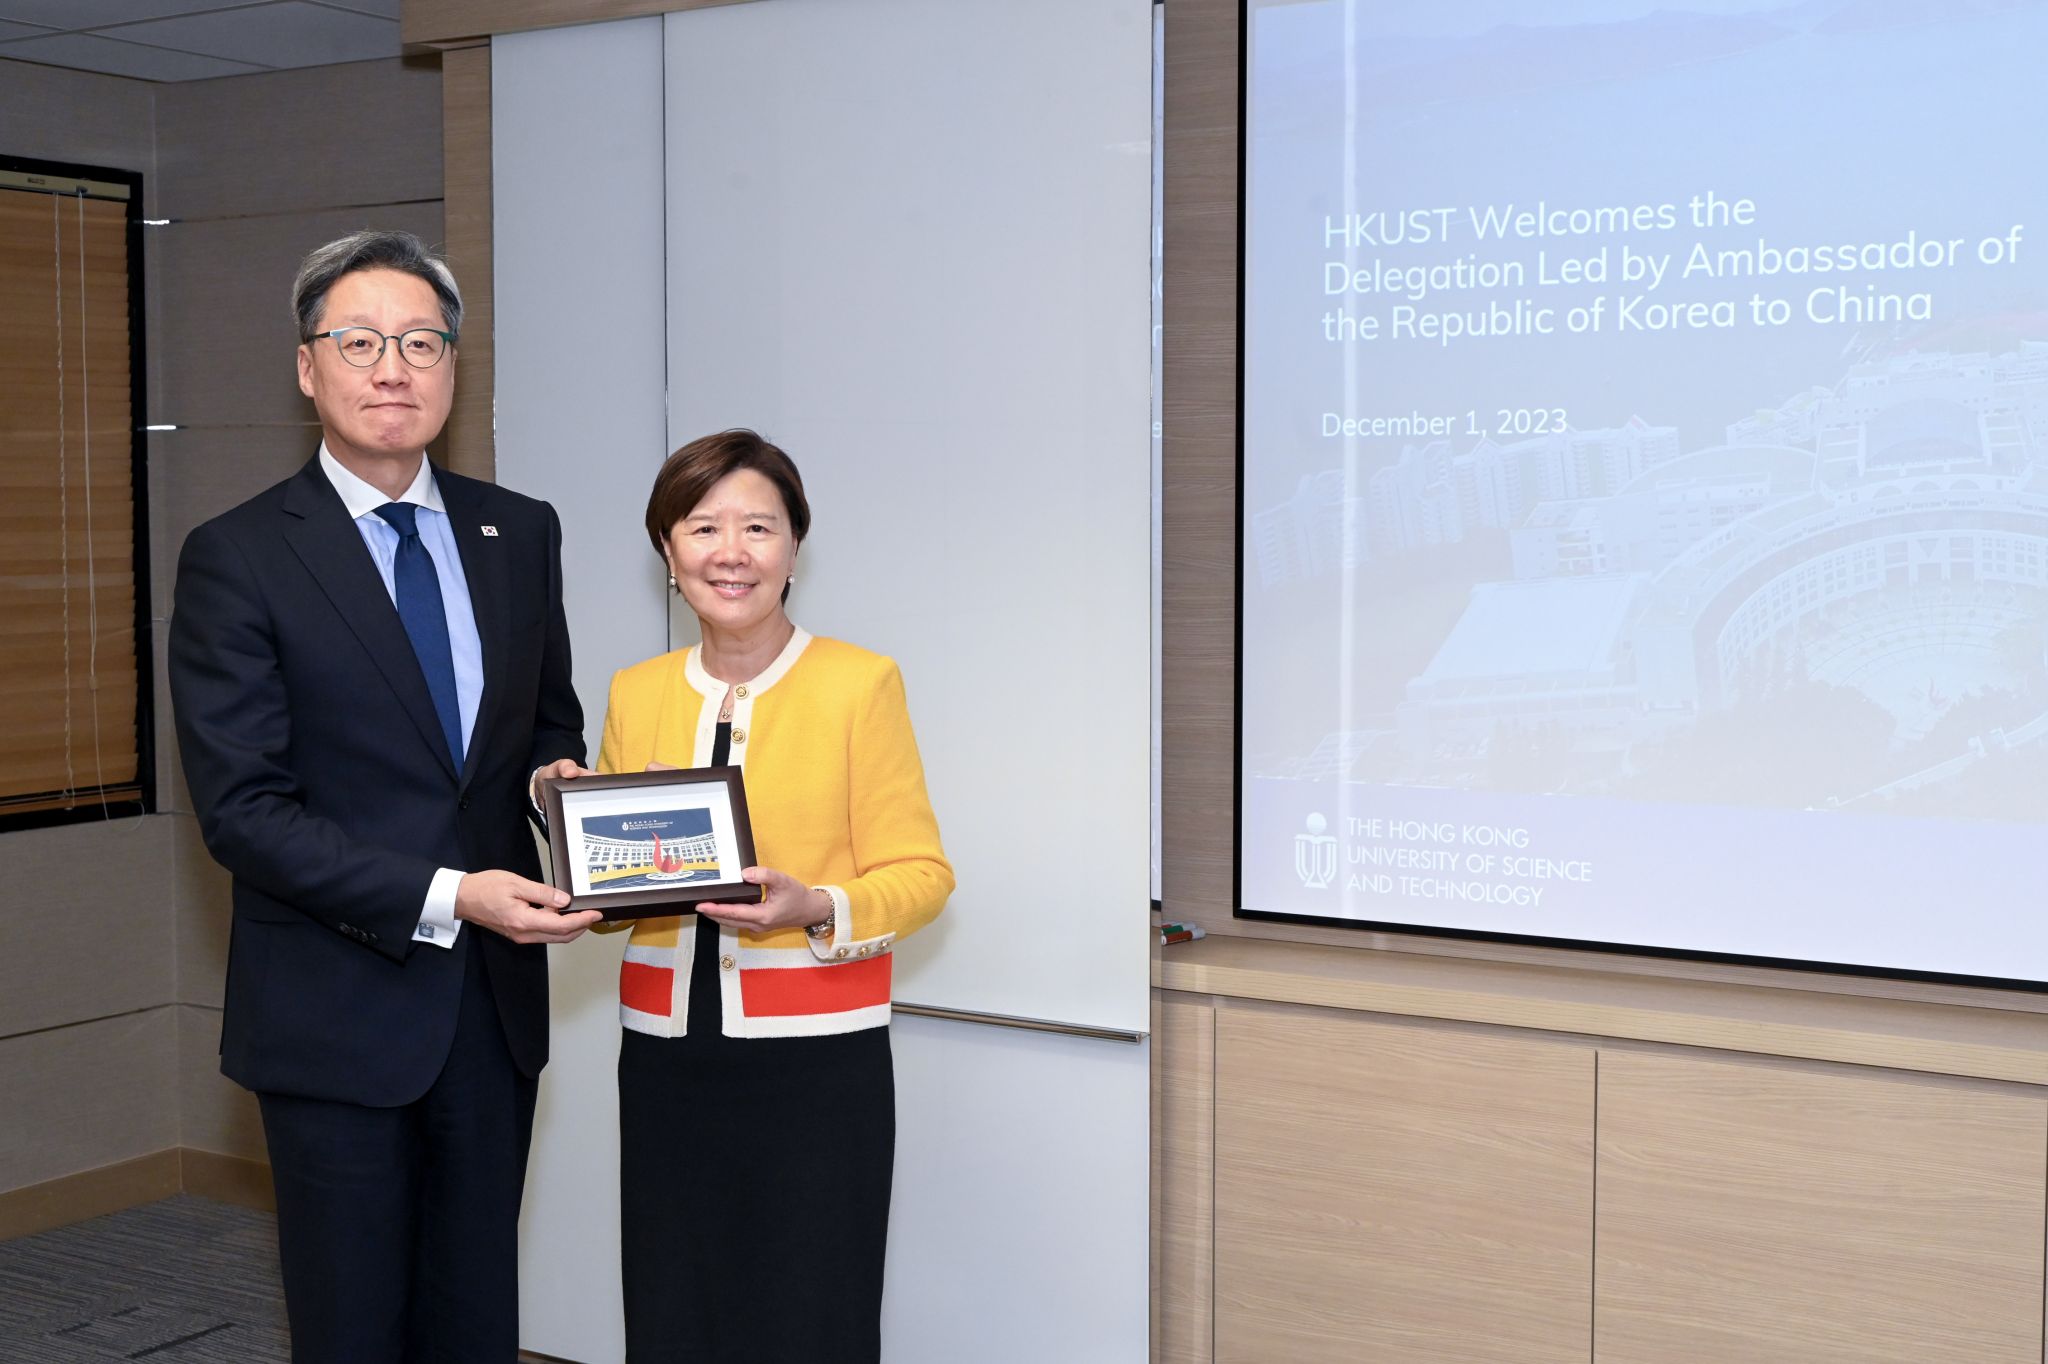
(184, 1281)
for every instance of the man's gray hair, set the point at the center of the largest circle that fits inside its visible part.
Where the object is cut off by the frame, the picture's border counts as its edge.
(370, 250)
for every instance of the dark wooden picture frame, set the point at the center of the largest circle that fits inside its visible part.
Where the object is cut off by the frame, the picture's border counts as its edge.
(559, 797)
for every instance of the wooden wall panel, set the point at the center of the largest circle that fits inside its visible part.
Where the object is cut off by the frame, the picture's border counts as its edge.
(93, 1094)
(171, 791)
(201, 894)
(198, 472)
(1183, 1179)
(1198, 360)
(466, 129)
(1776, 1215)
(86, 932)
(227, 337)
(313, 137)
(214, 1113)
(1399, 1192)
(53, 113)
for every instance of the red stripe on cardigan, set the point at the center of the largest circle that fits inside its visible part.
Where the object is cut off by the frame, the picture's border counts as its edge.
(833, 989)
(650, 989)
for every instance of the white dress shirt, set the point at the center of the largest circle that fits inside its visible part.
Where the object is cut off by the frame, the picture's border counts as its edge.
(438, 924)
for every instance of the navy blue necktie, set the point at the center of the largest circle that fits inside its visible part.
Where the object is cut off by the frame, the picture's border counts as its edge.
(418, 590)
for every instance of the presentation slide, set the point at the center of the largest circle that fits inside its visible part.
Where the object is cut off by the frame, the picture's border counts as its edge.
(1645, 495)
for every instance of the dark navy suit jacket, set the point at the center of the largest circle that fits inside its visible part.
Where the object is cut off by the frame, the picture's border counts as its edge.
(323, 785)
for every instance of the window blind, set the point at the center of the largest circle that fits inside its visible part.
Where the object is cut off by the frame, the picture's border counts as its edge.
(71, 728)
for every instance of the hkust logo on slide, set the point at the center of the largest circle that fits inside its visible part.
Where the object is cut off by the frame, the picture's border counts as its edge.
(1315, 854)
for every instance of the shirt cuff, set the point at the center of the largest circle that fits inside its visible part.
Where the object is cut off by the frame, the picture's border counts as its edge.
(438, 924)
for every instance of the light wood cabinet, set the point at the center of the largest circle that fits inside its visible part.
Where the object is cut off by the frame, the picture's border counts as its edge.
(1332, 1183)
(1802, 1215)
(1391, 1192)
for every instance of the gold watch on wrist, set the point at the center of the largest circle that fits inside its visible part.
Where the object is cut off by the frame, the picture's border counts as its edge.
(822, 930)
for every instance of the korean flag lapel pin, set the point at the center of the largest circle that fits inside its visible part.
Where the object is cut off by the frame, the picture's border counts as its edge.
(491, 531)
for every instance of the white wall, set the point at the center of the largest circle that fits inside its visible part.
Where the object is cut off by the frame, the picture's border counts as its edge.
(908, 240)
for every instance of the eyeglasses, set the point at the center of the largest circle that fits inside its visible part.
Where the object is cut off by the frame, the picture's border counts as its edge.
(422, 347)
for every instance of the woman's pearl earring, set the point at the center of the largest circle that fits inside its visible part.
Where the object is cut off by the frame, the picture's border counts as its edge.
(673, 586)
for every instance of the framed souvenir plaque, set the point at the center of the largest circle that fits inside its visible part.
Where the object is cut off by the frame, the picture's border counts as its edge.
(642, 844)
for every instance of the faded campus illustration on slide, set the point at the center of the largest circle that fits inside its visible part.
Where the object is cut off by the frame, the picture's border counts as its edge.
(1850, 592)
(1641, 502)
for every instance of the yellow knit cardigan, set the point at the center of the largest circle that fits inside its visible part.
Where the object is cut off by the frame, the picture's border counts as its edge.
(837, 797)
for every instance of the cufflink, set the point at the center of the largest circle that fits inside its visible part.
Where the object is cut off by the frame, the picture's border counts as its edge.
(424, 931)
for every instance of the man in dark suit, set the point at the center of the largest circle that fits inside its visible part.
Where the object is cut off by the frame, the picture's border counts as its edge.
(369, 665)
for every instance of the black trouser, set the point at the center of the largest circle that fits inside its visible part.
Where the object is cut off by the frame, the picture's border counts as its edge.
(398, 1228)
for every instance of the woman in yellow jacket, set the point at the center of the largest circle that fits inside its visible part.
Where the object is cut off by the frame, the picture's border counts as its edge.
(756, 1093)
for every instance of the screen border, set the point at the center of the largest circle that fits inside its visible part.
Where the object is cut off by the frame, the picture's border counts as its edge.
(1238, 909)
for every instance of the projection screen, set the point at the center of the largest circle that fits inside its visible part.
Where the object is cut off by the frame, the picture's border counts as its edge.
(1644, 523)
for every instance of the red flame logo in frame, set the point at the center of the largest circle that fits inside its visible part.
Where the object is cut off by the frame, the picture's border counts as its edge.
(670, 862)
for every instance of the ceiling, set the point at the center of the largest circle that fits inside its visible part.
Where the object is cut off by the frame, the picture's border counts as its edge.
(183, 40)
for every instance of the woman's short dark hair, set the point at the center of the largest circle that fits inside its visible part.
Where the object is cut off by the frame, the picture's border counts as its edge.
(687, 475)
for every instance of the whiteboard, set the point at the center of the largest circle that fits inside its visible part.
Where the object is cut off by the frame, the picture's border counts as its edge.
(908, 240)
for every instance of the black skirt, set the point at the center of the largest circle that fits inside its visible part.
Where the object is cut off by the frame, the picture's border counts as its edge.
(755, 1177)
